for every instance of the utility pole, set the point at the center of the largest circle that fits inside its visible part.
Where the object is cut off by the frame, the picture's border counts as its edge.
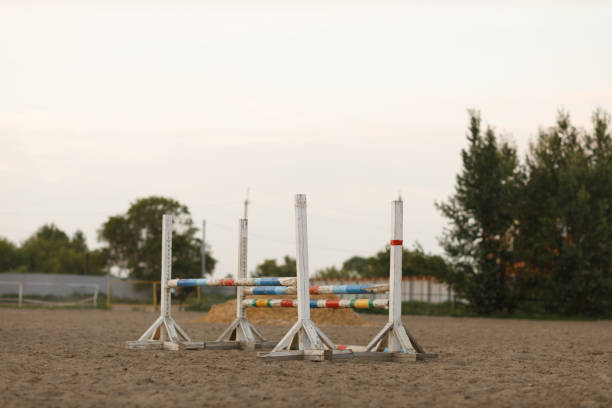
(246, 204)
(203, 249)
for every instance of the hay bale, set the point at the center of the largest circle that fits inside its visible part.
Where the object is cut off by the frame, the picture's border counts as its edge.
(226, 313)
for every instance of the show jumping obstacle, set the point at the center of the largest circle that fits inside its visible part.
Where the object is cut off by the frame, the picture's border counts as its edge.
(304, 340)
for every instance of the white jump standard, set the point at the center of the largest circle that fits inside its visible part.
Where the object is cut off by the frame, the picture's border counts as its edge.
(394, 338)
(165, 332)
(304, 341)
(241, 333)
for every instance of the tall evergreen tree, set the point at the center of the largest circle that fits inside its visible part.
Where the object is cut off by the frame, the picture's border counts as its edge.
(565, 227)
(481, 214)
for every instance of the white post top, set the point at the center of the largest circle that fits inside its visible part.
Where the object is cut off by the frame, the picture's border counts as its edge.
(397, 220)
(300, 200)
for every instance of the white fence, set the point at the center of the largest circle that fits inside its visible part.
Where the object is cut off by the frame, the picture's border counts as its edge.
(30, 287)
(27, 285)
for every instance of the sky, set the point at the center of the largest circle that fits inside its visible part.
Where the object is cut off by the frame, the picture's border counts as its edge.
(351, 103)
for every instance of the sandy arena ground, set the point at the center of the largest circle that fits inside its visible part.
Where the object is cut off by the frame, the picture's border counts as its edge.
(73, 358)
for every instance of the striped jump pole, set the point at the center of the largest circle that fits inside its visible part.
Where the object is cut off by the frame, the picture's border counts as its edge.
(164, 332)
(304, 341)
(394, 337)
(190, 283)
(241, 330)
(362, 289)
(320, 303)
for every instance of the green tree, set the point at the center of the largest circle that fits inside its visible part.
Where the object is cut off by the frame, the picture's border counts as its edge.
(269, 267)
(418, 263)
(414, 263)
(9, 256)
(356, 265)
(50, 250)
(133, 240)
(334, 273)
(481, 214)
(566, 217)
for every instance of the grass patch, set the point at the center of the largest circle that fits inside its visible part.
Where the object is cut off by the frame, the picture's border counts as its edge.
(434, 309)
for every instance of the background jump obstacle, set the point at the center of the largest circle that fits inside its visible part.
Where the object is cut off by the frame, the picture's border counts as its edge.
(304, 341)
(165, 332)
(320, 303)
(319, 290)
(190, 283)
(241, 333)
(394, 340)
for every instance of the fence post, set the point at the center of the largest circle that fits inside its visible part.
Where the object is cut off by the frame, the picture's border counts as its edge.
(155, 296)
(411, 289)
(95, 296)
(108, 294)
(20, 294)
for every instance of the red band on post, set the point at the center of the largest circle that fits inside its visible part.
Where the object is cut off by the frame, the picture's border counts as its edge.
(396, 242)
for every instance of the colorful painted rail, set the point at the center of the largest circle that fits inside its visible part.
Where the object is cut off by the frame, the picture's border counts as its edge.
(320, 303)
(189, 283)
(319, 290)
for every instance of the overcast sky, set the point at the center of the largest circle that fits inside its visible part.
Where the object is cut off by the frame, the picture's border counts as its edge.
(102, 103)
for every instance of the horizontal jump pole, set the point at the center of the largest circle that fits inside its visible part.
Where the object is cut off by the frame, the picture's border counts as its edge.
(189, 283)
(319, 290)
(320, 303)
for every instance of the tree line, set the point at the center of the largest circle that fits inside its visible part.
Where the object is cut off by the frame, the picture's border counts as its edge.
(131, 245)
(414, 263)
